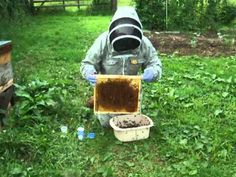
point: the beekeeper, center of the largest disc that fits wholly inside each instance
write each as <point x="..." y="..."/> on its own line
<point x="121" y="50"/>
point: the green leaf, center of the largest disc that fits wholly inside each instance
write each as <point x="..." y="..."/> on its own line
<point x="107" y="157"/>
<point x="199" y="145"/>
<point x="183" y="141"/>
<point x="213" y="76"/>
<point x="230" y="79"/>
<point x="24" y="94"/>
<point x="196" y="127"/>
<point x="218" y="112"/>
<point x="188" y="105"/>
<point x="188" y="76"/>
<point x="101" y="170"/>
<point x="205" y="164"/>
<point x="50" y="102"/>
<point x="41" y="102"/>
<point x="135" y="148"/>
<point x="171" y="92"/>
<point x="209" y="148"/>
<point x="193" y="172"/>
<point x="186" y="131"/>
<point x="118" y="142"/>
<point x="24" y="107"/>
<point x="105" y="171"/>
<point x="16" y="171"/>
<point x="92" y="159"/>
<point x="223" y="153"/>
<point x="130" y="164"/>
<point x="225" y="94"/>
<point x="170" y="78"/>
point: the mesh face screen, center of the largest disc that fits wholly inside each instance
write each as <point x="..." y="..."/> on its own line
<point x="125" y="30"/>
<point x="125" y="44"/>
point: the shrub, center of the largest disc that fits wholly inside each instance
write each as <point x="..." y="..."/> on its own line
<point x="184" y="14"/>
<point x="14" y="8"/>
<point x="227" y="13"/>
<point x="100" y="7"/>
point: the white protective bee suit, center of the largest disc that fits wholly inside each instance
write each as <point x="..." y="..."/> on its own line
<point x="122" y="50"/>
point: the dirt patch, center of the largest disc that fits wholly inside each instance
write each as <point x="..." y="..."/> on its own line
<point x="194" y="44"/>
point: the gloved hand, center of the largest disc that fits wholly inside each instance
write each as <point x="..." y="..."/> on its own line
<point x="148" y="75"/>
<point x="91" y="78"/>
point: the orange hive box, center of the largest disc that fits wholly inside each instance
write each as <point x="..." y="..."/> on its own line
<point x="117" y="94"/>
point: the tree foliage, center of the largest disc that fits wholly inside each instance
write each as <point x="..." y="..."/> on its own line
<point x="185" y="14"/>
<point x="13" y="8"/>
<point x="100" y="7"/>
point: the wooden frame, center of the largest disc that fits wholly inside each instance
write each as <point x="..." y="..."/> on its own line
<point x="6" y="86"/>
<point x="117" y="94"/>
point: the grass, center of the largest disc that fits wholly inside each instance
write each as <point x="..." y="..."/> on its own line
<point x="232" y="2"/>
<point x="125" y="2"/>
<point x="193" y="108"/>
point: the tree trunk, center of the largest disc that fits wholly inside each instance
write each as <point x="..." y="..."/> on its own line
<point x="113" y="5"/>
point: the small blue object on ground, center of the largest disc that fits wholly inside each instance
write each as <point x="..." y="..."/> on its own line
<point x="80" y="133"/>
<point x="91" y="135"/>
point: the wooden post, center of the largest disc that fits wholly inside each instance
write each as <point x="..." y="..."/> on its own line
<point x="166" y="14"/>
<point x="32" y="6"/>
<point x="113" y="5"/>
<point x="63" y="2"/>
<point x="78" y="1"/>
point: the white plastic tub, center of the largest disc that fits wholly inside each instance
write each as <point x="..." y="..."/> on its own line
<point x="131" y="127"/>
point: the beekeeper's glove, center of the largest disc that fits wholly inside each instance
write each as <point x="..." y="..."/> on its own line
<point x="91" y="78"/>
<point x="148" y="75"/>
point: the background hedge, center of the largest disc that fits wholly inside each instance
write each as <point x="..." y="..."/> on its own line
<point x="185" y="14"/>
<point x="14" y="8"/>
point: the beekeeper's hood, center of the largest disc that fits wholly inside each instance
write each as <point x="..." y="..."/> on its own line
<point x="125" y="30"/>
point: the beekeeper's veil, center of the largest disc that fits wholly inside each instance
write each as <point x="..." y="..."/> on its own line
<point x="125" y="30"/>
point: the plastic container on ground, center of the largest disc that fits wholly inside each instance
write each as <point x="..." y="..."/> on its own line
<point x="91" y="135"/>
<point x="64" y="129"/>
<point x="80" y="133"/>
<point x="131" y="127"/>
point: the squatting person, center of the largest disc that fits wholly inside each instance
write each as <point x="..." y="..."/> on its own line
<point x="121" y="50"/>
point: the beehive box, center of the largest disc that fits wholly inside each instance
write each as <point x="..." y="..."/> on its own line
<point x="117" y="94"/>
<point x="6" y="73"/>
<point x="6" y="80"/>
